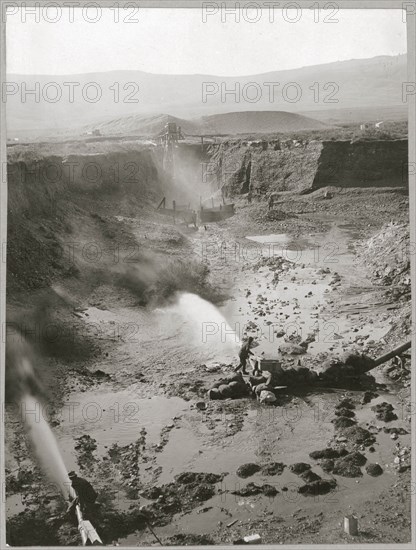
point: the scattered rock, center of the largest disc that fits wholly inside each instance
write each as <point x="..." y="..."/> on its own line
<point x="384" y="412"/>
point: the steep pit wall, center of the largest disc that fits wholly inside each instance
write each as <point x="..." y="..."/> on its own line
<point x="362" y="164"/>
<point x="292" y="165"/>
<point x="264" y="166"/>
<point x="56" y="199"/>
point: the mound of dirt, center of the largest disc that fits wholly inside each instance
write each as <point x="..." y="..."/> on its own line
<point x="387" y="255"/>
<point x="328" y="453"/>
<point x="252" y="489"/>
<point x="346" y="403"/>
<point x="327" y="465"/>
<point x="247" y="470"/>
<point x="384" y="412"/>
<point x="319" y="487"/>
<point x="356" y="434"/>
<point x="299" y="467"/>
<point x="310" y="476"/>
<point x="374" y="470"/>
<point x="186" y="492"/>
<point x="273" y="468"/>
<point x="193" y="477"/>
<point x="343" y="422"/>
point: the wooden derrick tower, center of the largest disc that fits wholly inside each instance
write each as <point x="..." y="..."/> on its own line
<point x="169" y="138"/>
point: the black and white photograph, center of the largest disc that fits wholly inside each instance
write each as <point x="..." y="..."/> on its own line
<point x="208" y="254"/>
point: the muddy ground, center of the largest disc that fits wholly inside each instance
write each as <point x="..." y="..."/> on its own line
<point x="134" y="417"/>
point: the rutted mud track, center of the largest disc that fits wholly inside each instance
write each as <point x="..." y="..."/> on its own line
<point x="135" y="409"/>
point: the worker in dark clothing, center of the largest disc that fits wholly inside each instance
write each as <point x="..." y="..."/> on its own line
<point x="86" y="495"/>
<point x="244" y="354"/>
<point x="271" y="202"/>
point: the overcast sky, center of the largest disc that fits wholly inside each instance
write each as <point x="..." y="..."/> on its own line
<point x="178" y="41"/>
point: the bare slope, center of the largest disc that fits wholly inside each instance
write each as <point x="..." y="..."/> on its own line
<point x="358" y="83"/>
<point x="229" y="123"/>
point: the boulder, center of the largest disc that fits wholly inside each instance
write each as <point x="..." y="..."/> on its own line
<point x="225" y="391"/>
<point x="327" y="453"/>
<point x="299" y="467"/>
<point x="319" y="487"/>
<point x="327" y="465"/>
<point x="374" y="470"/>
<point x="349" y="465"/>
<point x="384" y="412"/>
<point x="267" y="397"/>
<point x="358" y="361"/>
<point x="214" y="394"/>
<point x="247" y="470"/>
<point x="343" y="422"/>
<point x="309" y="476"/>
<point x="237" y="389"/>
<point x="334" y="369"/>
<point x="356" y="434"/>
<point x="346" y="469"/>
<point x="273" y="468"/>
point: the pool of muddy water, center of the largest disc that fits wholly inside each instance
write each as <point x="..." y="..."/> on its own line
<point x="282" y="434"/>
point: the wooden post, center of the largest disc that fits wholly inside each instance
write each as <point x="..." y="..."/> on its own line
<point x="351" y="525"/>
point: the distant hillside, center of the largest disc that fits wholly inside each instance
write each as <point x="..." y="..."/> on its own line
<point x="354" y="84"/>
<point x="248" y="122"/>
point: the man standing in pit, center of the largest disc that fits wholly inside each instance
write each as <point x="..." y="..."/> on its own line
<point x="244" y="354"/>
<point x="271" y="201"/>
<point x="86" y="495"/>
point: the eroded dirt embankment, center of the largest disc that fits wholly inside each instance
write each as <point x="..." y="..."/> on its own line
<point x="58" y="203"/>
<point x="295" y="165"/>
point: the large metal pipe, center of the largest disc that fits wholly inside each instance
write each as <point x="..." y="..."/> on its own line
<point x="396" y="351"/>
<point x="89" y="535"/>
